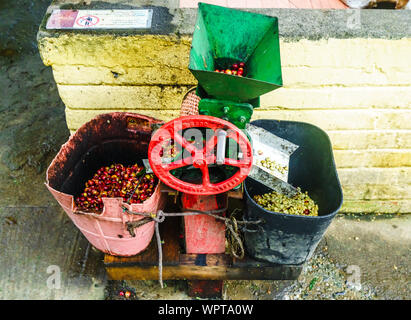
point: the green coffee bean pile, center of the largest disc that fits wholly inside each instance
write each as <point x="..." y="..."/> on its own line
<point x="301" y="204"/>
<point x="272" y="165"/>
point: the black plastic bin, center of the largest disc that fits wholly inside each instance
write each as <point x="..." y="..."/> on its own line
<point x="289" y="239"/>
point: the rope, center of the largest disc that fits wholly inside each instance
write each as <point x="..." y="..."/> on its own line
<point x="231" y="223"/>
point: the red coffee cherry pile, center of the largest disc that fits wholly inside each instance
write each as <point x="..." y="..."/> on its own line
<point x="116" y="181"/>
<point x="237" y="69"/>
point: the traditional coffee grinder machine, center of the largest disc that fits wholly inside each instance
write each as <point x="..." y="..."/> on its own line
<point x="206" y="155"/>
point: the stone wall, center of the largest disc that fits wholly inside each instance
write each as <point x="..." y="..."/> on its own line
<point x="355" y="83"/>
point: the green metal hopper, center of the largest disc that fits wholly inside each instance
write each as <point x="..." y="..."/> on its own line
<point x="223" y="36"/>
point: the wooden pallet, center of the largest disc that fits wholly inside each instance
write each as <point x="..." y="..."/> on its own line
<point x="205" y="272"/>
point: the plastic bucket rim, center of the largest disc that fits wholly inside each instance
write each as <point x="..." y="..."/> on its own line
<point x="73" y="136"/>
<point x="84" y="127"/>
<point x="102" y="215"/>
<point x="132" y="206"/>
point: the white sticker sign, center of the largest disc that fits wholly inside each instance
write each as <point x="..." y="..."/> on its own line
<point x="100" y="19"/>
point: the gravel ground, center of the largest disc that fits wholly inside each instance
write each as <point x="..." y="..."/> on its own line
<point x="323" y="279"/>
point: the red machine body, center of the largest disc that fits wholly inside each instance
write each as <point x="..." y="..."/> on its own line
<point x="203" y="233"/>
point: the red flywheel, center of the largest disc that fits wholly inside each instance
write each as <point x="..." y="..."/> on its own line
<point x="201" y="155"/>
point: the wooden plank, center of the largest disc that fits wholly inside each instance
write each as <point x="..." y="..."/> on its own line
<point x="205" y="259"/>
<point x="205" y="288"/>
<point x="178" y="266"/>
<point x="193" y="272"/>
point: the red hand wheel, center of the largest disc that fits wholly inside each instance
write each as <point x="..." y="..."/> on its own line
<point x="199" y="155"/>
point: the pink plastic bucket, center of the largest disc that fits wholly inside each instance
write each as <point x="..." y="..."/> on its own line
<point x="109" y="138"/>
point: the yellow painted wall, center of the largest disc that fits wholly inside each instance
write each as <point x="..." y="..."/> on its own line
<point x="358" y="90"/>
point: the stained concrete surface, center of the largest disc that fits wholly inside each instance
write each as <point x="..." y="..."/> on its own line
<point x="43" y="256"/>
<point x="381" y="248"/>
<point x="293" y="24"/>
<point x="36" y="234"/>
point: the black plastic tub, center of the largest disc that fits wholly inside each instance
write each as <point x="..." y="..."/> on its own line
<point x="290" y="239"/>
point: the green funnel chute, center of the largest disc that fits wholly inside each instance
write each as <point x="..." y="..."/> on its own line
<point x="223" y="36"/>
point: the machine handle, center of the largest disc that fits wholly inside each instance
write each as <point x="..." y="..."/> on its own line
<point x="200" y="156"/>
<point x="221" y="146"/>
